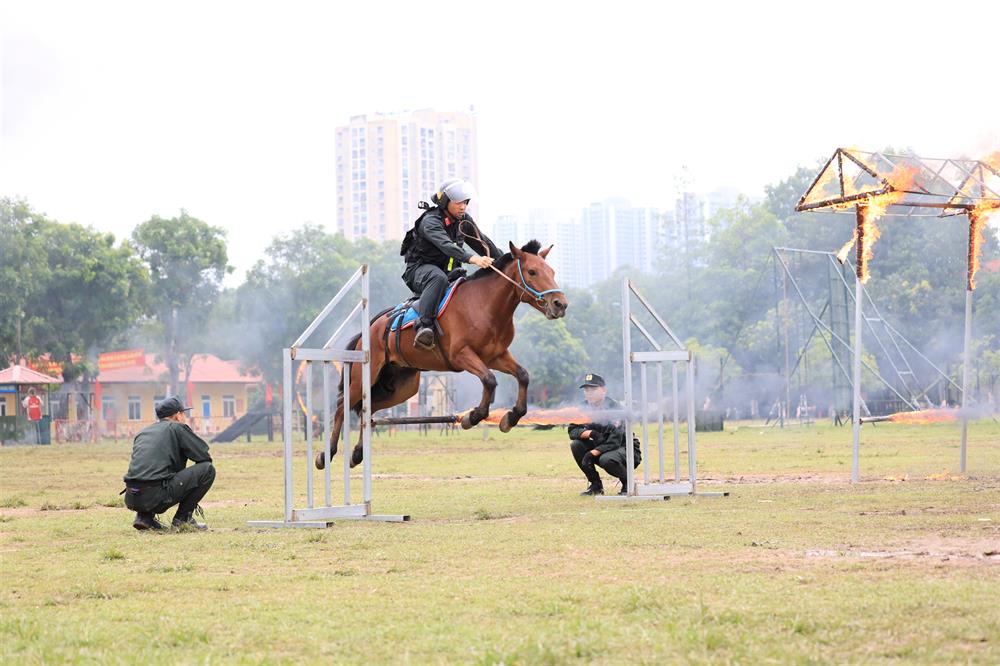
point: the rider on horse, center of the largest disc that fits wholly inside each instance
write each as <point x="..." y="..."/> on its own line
<point x="436" y="246"/>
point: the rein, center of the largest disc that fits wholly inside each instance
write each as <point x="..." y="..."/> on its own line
<point x="524" y="286"/>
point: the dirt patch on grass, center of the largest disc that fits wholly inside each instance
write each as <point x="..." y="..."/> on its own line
<point x="803" y="477"/>
<point x="957" y="550"/>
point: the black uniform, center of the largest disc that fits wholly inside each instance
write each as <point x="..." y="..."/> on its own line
<point x="438" y="246"/>
<point x="157" y="476"/>
<point x="608" y="437"/>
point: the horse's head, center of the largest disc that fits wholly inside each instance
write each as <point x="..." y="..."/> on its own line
<point x="537" y="279"/>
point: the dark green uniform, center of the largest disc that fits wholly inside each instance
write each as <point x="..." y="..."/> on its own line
<point x="608" y="437"/>
<point x="158" y="477"/>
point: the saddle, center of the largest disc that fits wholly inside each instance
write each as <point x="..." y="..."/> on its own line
<point x="405" y="315"/>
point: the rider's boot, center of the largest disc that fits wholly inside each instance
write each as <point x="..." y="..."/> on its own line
<point x="425" y="336"/>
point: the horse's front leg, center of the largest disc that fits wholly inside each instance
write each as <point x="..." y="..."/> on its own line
<point x="506" y="364"/>
<point x="469" y="361"/>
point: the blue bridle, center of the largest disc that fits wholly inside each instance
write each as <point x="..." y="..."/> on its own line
<point x="537" y="294"/>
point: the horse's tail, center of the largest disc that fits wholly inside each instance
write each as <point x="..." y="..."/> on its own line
<point x="378" y="390"/>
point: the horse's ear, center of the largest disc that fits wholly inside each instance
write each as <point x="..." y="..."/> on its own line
<point x="544" y="253"/>
<point x="515" y="251"/>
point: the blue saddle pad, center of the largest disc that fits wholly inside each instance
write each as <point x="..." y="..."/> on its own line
<point x="401" y="319"/>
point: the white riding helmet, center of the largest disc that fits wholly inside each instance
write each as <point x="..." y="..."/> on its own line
<point x="457" y="189"/>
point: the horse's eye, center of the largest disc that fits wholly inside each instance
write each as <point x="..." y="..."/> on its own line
<point x="532" y="273"/>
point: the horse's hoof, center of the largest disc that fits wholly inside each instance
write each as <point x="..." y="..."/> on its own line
<point x="320" y="460"/>
<point x="467" y="422"/>
<point x="357" y="456"/>
<point x="506" y="422"/>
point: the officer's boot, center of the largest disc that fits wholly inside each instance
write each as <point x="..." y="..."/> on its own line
<point x="185" y="519"/>
<point x="594" y="489"/>
<point x="146" y="521"/>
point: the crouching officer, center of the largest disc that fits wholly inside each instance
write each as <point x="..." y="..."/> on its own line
<point x="601" y="443"/>
<point x="157" y="477"/>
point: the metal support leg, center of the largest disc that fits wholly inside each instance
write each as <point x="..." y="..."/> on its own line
<point x="692" y="458"/>
<point x="677" y="425"/>
<point x="659" y="416"/>
<point x="645" y="424"/>
<point x="309" y="435"/>
<point x="286" y="427"/>
<point x="346" y="432"/>
<point x="966" y="373"/>
<point x="855" y="472"/>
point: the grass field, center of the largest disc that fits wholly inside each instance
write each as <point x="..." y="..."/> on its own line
<point x="504" y="562"/>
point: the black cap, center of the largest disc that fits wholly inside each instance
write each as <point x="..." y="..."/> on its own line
<point x="170" y="406"/>
<point x="592" y="380"/>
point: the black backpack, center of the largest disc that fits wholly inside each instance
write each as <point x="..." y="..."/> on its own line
<point x="411" y="236"/>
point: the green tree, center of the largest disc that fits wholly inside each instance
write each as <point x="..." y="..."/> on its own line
<point x="23" y="273"/>
<point x="187" y="261"/>
<point x="554" y="358"/>
<point x="76" y="287"/>
<point x="302" y="271"/>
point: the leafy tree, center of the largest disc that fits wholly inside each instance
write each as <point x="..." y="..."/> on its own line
<point x="301" y="273"/>
<point x="23" y="272"/>
<point x="75" y="286"/>
<point x="553" y="356"/>
<point x="187" y="261"/>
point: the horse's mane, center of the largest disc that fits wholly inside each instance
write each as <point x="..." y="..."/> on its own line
<point x="531" y="247"/>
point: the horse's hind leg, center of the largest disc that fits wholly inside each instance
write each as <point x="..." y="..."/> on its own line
<point x="338" y="423"/>
<point x="407" y="383"/>
<point x="507" y="364"/>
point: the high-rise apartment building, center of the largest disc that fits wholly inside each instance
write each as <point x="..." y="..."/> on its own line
<point x="549" y="228"/>
<point x="615" y="234"/>
<point x="386" y="163"/>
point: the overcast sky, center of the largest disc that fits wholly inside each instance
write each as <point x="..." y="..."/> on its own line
<point x="113" y="112"/>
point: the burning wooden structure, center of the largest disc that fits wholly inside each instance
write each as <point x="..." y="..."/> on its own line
<point x="869" y="184"/>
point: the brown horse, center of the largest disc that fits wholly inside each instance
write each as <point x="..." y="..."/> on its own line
<point x="477" y="328"/>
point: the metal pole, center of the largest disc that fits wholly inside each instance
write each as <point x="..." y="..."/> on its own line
<point x="326" y="434"/>
<point x="659" y="414"/>
<point x="785" y="314"/>
<point x="347" y="433"/>
<point x="860" y="261"/>
<point x="692" y="460"/>
<point x="366" y="393"/>
<point x="677" y="424"/>
<point x="627" y="371"/>
<point x="857" y="380"/>
<point x="645" y="424"/>
<point x="966" y="372"/>
<point x="309" y="435"/>
<point x="286" y="426"/>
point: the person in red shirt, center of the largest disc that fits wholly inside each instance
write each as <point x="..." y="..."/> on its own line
<point x="33" y="406"/>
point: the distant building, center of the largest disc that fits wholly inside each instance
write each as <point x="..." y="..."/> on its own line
<point x="217" y="390"/>
<point x="719" y="199"/>
<point x="615" y="234"/>
<point x="386" y="163"/>
<point x="549" y="228"/>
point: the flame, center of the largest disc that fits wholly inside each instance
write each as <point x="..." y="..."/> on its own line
<point x="866" y="233"/>
<point x="925" y="416"/>
<point x="562" y="416"/>
<point x="844" y="251"/>
<point x="827" y="185"/>
<point x="871" y="209"/>
<point x="977" y="220"/>
<point x="993" y="160"/>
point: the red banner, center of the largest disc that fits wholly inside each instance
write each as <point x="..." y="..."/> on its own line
<point x="129" y="358"/>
